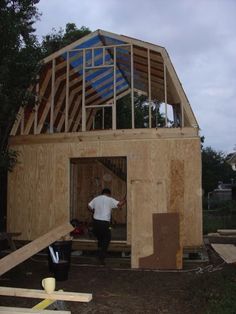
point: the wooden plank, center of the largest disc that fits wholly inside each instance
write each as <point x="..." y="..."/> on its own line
<point x="91" y="245"/>
<point x="217" y="238"/>
<point x="226" y="251"/>
<point x="165" y="95"/>
<point x="149" y="90"/>
<point x="17" y="121"/>
<point x="72" y="117"/>
<point x="52" y="96"/>
<point x="227" y="231"/>
<point x="41" y="294"/>
<point x="67" y="90"/>
<point x="114" y="92"/>
<point x="22" y="254"/>
<point x="16" y="310"/>
<point x="127" y="134"/>
<point x="132" y="86"/>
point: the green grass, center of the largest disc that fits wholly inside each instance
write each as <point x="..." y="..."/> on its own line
<point x="213" y="222"/>
<point x="222" y="215"/>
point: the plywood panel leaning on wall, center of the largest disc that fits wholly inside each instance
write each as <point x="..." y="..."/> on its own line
<point x="166" y="244"/>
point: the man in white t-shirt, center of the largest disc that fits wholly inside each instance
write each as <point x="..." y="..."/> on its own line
<point x="101" y="207"/>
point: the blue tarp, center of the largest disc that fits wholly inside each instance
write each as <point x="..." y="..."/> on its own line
<point x="102" y="78"/>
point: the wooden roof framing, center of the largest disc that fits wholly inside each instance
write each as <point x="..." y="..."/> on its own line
<point x="94" y="72"/>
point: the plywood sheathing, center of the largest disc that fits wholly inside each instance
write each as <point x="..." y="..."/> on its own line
<point x="149" y="154"/>
<point x="166" y="244"/>
<point x="177" y="188"/>
<point x="144" y="200"/>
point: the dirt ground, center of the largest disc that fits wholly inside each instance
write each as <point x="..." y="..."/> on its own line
<point x="118" y="289"/>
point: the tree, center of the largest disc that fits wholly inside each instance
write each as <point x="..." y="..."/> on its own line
<point x="124" y="114"/>
<point x="59" y="39"/>
<point x="19" y="63"/>
<point x="215" y="169"/>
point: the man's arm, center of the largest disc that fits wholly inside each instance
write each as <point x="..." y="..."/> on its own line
<point x="91" y="210"/>
<point x="121" y="202"/>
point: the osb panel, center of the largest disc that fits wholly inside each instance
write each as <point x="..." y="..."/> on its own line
<point x="39" y="185"/>
<point x="61" y="205"/>
<point x="21" y="195"/>
<point x="145" y="196"/>
<point x="177" y="200"/>
<point x="187" y="150"/>
<point x="31" y="208"/>
<point x="176" y="186"/>
<point x="193" y="196"/>
<point x="166" y="243"/>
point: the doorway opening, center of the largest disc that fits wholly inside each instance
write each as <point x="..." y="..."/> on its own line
<point x="88" y="176"/>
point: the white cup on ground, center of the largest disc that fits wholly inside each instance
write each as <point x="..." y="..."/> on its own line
<point x="49" y="284"/>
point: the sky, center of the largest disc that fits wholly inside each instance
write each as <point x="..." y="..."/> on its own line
<point x="199" y="36"/>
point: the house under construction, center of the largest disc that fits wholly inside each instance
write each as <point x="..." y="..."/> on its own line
<point x="111" y="112"/>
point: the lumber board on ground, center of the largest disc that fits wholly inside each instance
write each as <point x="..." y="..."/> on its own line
<point x="226" y="251"/>
<point x="16" y="310"/>
<point x="227" y="231"/>
<point x="22" y="254"/>
<point x="91" y="245"/>
<point x="217" y="238"/>
<point x="41" y="294"/>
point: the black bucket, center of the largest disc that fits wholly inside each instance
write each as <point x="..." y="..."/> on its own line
<point x="60" y="269"/>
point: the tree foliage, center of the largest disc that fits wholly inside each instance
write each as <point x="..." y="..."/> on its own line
<point x="59" y="39"/>
<point x="124" y="114"/>
<point x="19" y="63"/>
<point x="215" y="169"/>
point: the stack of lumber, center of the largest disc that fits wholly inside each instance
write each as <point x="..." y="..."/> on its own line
<point x="224" y="236"/>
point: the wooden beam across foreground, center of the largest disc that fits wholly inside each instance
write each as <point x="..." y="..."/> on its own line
<point x="25" y="252"/>
<point x="16" y="310"/>
<point x="41" y="294"/>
